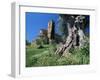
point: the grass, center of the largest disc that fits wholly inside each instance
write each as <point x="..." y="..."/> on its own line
<point x="45" y="56"/>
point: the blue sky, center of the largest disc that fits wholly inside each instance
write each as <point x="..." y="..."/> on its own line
<point x="37" y="21"/>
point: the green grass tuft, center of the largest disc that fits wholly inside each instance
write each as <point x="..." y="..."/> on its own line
<point x="46" y="57"/>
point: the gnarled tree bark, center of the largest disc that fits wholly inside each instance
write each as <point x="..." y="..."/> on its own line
<point x="75" y="37"/>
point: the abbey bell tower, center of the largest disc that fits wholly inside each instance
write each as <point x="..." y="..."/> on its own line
<point x="51" y="30"/>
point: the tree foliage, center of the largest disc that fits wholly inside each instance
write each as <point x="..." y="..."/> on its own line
<point x="27" y="42"/>
<point x="65" y="21"/>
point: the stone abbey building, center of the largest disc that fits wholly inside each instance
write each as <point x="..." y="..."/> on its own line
<point x="48" y="33"/>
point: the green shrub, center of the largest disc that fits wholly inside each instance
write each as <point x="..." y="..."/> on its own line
<point x="46" y="56"/>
